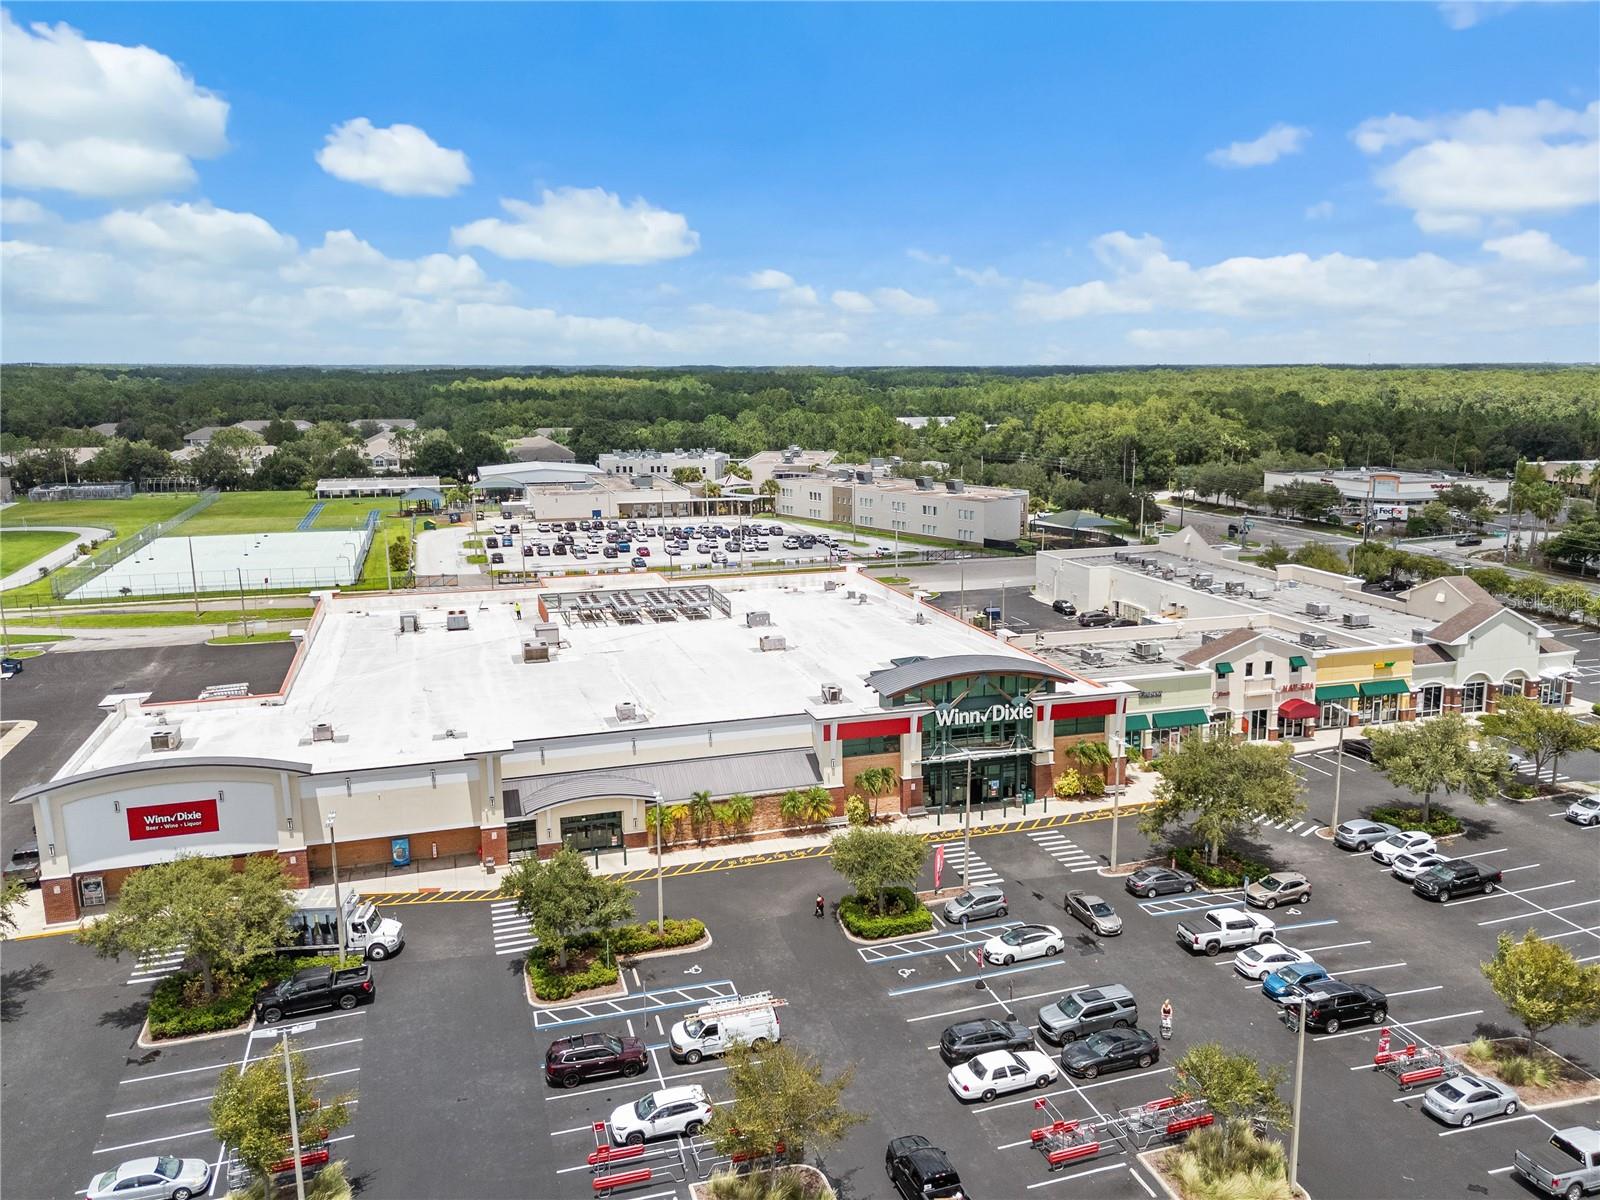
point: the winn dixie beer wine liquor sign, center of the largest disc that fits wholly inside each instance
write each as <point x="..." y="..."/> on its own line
<point x="173" y="820"/>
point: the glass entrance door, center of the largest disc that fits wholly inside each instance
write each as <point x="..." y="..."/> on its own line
<point x="992" y="780"/>
<point x="592" y="831"/>
<point x="522" y="839"/>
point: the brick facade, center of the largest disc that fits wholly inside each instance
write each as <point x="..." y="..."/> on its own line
<point x="364" y="852"/>
<point x="296" y="866"/>
<point x="60" y="900"/>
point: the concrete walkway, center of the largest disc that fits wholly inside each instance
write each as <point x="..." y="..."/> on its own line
<point x="58" y="557"/>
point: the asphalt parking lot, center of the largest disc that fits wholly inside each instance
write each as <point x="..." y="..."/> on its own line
<point x="62" y="693"/>
<point x="452" y="1043"/>
<point x="1586" y="673"/>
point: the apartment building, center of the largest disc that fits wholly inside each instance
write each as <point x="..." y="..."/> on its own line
<point x="712" y="464"/>
<point x="949" y="509"/>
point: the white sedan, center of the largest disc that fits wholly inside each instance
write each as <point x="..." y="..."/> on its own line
<point x="1001" y="1071"/>
<point x="1024" y="941"/>
<point x="1412" y="841"/>
<point x="1412" y="863"/>
<point x="1260" y="960"/>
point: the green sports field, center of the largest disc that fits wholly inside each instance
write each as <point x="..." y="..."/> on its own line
<point x="20" y="547"/>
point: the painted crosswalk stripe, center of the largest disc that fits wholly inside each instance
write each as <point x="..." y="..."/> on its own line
<point x="977" y="870"/>
<point x="509" y="929"/>
<point x="151" y="966"/>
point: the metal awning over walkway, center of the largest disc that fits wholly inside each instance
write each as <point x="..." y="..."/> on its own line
<point x="727" y="775"/>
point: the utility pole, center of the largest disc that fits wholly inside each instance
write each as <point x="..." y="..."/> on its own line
<point x="966" y="827"/>
<point x="294" y="1122"/>
<point x="194" y="582"/>
<point x="333" y="846"/>
<point x="1299" y="1073"/>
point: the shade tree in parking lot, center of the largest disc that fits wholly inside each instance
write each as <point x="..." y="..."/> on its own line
<point x="1215" y="786"/>
<point x="218" y="917"/>
<point x="1542" y="984"/>
<point x="782" y="1105"/>
<point x="1244" y="1098"/>
<point x="1438" y="755"/>
<point x="875" y="860"/>
<point x="1544" y="734"/>
<point x="250" y="1110"/>
<point x="560" y="898"/>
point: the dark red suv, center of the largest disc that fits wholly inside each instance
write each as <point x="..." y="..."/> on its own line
<point x="570" y="1061"/>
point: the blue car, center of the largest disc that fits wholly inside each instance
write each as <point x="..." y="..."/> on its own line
<point x="1291" y="980"/>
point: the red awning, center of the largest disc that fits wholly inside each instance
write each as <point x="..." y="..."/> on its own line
<point x="1297" y="710"/>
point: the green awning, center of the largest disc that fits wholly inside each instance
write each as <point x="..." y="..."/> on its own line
<point x="1224" y="668"/>
<point x="1337" y="691"/>
<point x="1136" y="723"/>
<point x="1386" y="687"/>
<point x="1178" y="720"/>
<point x="1296" y="663"/>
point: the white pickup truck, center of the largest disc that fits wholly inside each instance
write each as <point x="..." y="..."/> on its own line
<point x="1225" y="929"/>
<point x="1567" y="1165"/>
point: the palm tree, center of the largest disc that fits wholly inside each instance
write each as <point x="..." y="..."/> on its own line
<point x="792" y="806"/>
<point x="738" y="809"/>
<point x="817" y="805"/>
<point x="701" y="810"/>
<point x="875" y="781"/>
<point x="1092" y="754"/>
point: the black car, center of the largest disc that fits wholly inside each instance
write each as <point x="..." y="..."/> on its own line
<point x="1123" y="623"/>
<point x="1358" y="748"/>
<point x="10" y="667"/>
<point x="920" y="1170"/>
<point x="1159" y="881"/>
<point x="968" y="1039"/>
<point x="1066" y="608"/>
<point x="1094" y="620"/>
<point x="1110" y="1050"/>
<point x="1332" y="1003"/>
<point x="571" y="1060"/>
<point x="1469" y="540"/>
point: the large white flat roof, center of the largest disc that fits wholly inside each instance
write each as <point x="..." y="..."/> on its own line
<point x="390" y="697"/>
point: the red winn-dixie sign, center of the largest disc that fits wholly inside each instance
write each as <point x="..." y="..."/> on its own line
<point x="172" y="820"/>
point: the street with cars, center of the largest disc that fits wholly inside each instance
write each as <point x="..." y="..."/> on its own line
<point x="1023" y="1001"/>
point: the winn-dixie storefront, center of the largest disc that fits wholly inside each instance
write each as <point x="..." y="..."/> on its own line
<point x="988" y="727"/>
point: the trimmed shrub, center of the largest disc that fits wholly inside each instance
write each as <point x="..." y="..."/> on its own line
<point x="1230" y="871"/>
<point x="1407" y="817"/>
<point x="856" y="811"/>
<point x="1068" y="784"/>
<point x="174" y="1013"/>
<point x="549" y="983"/>
<point x="1518" y="1070"/>
<point x="905" y="914"/>
<point x="1093" y="786"/>
<point x="637" y="939"/>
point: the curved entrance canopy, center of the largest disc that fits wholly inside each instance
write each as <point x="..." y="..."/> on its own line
<point x="915" y="673"/>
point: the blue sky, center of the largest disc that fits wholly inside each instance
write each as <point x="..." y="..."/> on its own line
<point x="807" y="184"/>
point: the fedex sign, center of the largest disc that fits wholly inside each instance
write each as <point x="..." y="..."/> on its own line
<point x="173" y="820"/>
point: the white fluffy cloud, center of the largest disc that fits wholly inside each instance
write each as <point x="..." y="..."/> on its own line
<point x="1166" y="341"/>
<point x="1512" y="161"/>
<point x="1535" y="249"/>
<point x="100" y="119"/>
<point x="572" y="227"/>
<point x="925" y="256"/>
<point x="789" y="292"/>
<point x="1464" y="14"/>
<point x="1320" y="211"/>
<point x="19" y="210"/>
<point x="853" y="302"/>
<point x="1272" y="145"/>
<point x="399" y="159"/>
<point x="197" y="231"/>
<point x="898" y="300"/>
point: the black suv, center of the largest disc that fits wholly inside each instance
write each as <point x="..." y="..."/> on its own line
<point x="571" y="1060"/>
<point x="920" y="1170"/>
<point x="1333" y="1003"/>
<point x="1065" y="607"/>
<point x="1094" y="620"/>
<point x="968" y="1039"/>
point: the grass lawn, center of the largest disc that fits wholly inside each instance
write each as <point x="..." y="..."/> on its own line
<point x="250" y="512"/>
<point x="122" y="516"/>
<point x="18" y="548"/>
<point x="245" y="639"/>
<point x="159" y="620"/>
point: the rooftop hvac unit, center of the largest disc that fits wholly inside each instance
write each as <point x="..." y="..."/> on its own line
<point x="1169" y="572"/>
<point x="1260" y="593"/>
<point x="862" y="598"/>
<point x="643" y="481"/>
<point x="1291" y="583"/>
<point x="1120" y="555"/>
<point x="922" y="617"/>
<point x="322" y="732"/>
<point x="754" y="619"/>
<point x="830" y="585"/>
<point x="1147" y="651"/>
<point x="546" y="631"/>
<point x="832" y="693"/>
<point x="1202" y="580"/>
<point x="1234" y="587"/>
<point x="863" y="476"/>
<point x="955" y="485"/>
<point x="1150" y="568"/>
<point x="773" y="641"/>
<point x="408" y="622"/>
<point x="627" y="711"/>
<point x="167" y="738"/>
<point x="535" y="652"/>
<point x="1315" y="641"/>
<point x="456" y="618"/>
<point x="1421" y="635"/>
<point x="1092" y="658"/>
<point x="1356" y="620"/>
<point x="1210" y="635"/>
<point x="1316" y="608"/>
<point x="850" y="594"/>
<point x="925" y="482"/>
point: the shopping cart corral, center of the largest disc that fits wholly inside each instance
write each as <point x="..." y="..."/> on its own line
<point x="1411" y="1061"/>
<point x="1163" y="1122"/>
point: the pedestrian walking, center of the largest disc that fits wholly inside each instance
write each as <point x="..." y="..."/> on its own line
<point x="516" y="607"/>
<point x="1166" y="1019"/>
<point x="821" y="905"/>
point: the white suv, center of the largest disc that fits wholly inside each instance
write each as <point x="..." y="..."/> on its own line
<point x="1585" y="811"/>
<point x="663" y="1113"/>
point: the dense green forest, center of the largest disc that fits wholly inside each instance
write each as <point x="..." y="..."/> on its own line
<point x="1062" y="433"/>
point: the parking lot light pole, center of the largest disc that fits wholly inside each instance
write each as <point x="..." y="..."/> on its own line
<point x="338" y="908"/>
<point x="966" y="827"/>
<point x="1299" y="1072"/>
<point x="1338" y="763"/>
<point x="294" y="1121"/>
<point x="661" y="907"/>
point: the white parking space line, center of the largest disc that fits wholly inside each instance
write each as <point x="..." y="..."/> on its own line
<point x="1574" y="932"/>
<point x="133" y="1112"/>
<point x="152" y="1141"/>
<point x="1139" y="1179"/>
<point x="1336" y="946"/>
<point x="1514" y="870"/>
<point x="1116" y="1166"/>
<point x="1359" y="970"/>
<point x="1309" y="767"/>
<point x="1310" y="829"/>
<point x="1558" y="908"/>
<point x="966" y="1008"/>
<point x="1078" y="1087"/>
<point x="1438" y="987"/>
<point x="1344" y="1033"/>
<point x="1495" y="1124"/>
<point x="1519" y="893"/>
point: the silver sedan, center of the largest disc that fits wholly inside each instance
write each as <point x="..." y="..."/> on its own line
<point x="1094" y="912"/>
<point x="1468" y="1098"/>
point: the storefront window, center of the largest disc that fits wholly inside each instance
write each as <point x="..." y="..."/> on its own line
<point x="1258" y="724"/>
<point x="1511" y="687"/>
<point x="1430" y="700"/>
<point x="1473" y="696"/>
<point x="860" y="747"/>
<point x="1552" y="692"/>
<point x="592" y="831"/>
<point x="1079" y="725"/>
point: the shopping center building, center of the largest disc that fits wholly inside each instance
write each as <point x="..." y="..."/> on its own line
<point x="1267" y="654"/>
<point x="433" y="726"/>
